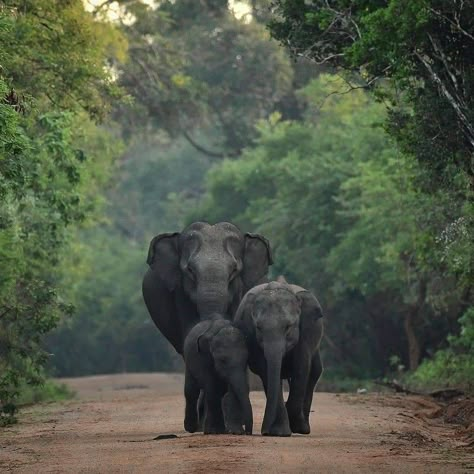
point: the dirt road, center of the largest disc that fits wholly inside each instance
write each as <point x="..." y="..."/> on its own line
<point x="111" y="425"/>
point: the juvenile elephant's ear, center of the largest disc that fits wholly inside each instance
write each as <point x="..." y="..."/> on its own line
<point x="203" y="343"/>
<point x="257" y="259"/>
<point x="205" y="338"/>
<point x="163" y="257"/>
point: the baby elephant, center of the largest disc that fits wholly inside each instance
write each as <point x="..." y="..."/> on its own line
<point x="216" y="357"/>
<point x="283" y="325"/>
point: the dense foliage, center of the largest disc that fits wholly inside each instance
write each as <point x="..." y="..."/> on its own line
<point x="49" y="175"/>
<point x="423" y="47"/>
<point x="201" y="68"/>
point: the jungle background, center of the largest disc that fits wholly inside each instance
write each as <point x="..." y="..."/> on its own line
<point x="343" y="131"/>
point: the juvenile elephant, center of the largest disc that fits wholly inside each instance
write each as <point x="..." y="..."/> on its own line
<point x="283" y="326"/>
<point x="203" y="270"/>
<point x="216" y="357"/>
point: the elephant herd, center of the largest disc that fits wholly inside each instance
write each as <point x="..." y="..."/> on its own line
<point x="207" y="292"/>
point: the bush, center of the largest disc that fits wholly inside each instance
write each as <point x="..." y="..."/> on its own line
<point x="47" y="391"/>
<point x="453" y="366"/>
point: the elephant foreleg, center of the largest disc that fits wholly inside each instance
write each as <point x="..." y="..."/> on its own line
<point x="315" y="374"/>
<point x="214" y="418"/>
<point x="300" y="374"/>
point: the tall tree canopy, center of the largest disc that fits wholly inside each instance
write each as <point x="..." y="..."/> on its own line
<point x="424" y="47"/>
<point x="53" y="82"/>
<point x="198" y="67"/>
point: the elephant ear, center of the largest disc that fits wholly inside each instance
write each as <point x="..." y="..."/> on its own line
<point x="205" y="338"/>
<point x="257" y="259"/>
<point x="163" y="257"/>
<point x="310" y="307"/>
<point x="204" y="343"/>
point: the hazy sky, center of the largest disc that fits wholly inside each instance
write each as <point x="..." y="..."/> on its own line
<point x="240" y="8"/>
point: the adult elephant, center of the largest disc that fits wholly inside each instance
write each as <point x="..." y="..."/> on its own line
<point x="202" y="271"/>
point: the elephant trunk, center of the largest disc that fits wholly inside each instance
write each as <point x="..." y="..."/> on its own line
<point x="273" y="356"/>
<point x="240" y="387"/>
<point x="211" y="302"/>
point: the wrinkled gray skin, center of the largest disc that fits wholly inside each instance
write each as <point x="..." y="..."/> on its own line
<point x="283" y="326"/>
<point x="203" y="270"/>
<point x="216" y="356"/>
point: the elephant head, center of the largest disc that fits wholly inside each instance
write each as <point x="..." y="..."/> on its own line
<point x="275" y="314"/>
<point x="228" y="350"/>
<point x="214" y="264"/>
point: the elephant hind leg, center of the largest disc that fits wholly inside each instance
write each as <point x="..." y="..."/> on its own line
<point x="315" y="374"/>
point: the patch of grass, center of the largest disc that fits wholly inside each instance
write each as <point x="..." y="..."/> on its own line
<point x="49" y="391"/>
<point x="445" y="370"/>
<point x="345" y="385"/>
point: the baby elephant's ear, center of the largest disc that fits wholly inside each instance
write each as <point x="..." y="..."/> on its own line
<point x="205" y="338"/>
<point x="204" y="342"/>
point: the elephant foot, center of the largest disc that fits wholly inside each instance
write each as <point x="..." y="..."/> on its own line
<point x="214" y="430"/>
<point x="190" y="425"/>
<point x="277" y="431"/>
<point x="280" y="433"/>
<point x="235" y="429"/>
<point x="200" y="425"/>
<point x="214" y="427"/>
<point x="299" y="424"/>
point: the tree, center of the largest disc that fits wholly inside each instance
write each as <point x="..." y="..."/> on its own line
<point x="423" y="48"/>
<point x="204" y="71"/>
<point x="43" y="161"/>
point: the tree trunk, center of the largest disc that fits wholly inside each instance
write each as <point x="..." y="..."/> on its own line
<point x="414" y="351"/>
<point x="410" y="323"/>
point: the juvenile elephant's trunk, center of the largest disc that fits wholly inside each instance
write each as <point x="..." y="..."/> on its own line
<point x="273" y="356"/>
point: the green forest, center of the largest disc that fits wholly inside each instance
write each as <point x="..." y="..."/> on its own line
<point x="341" y="130"/>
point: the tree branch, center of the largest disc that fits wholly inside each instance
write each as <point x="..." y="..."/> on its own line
<point x="469" y="130"/>
<point x="212" y="154"/>
<point x="5" y="312"/>
<point x="456" y="25"/>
